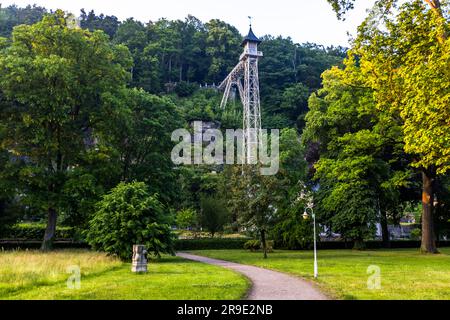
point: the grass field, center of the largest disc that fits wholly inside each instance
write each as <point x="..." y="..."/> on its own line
<point x="36" y="275"/>
<point x="343" y="274"/>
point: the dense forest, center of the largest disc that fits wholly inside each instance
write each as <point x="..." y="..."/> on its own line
<point x="87" y="114"/>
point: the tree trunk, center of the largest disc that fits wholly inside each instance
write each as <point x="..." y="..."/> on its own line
<point x="359" y="244"/>
<point x="435" y="6"/>
<point x="170" y="69"/>
<point x="385" y="231"/>
<point x="50" y="231"/>
<point x="384" y="226"/>
<point x="428" y="240"/>
<point x="263" y="242"/>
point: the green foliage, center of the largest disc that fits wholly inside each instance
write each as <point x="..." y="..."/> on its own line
<point x="341" y="6"/>
<point x="140" y="135"/>
<point x="54" y="80"/>
<point x="407" y="67"/>
<point x="292" y="231"/>
<point x="288" y="73"/>
<point x="187" y="218"/>
<point x="223" y="47"/>
<point x="416" y="234"/>
<point x="214" y="214"/>
<point x="403" y="56"/>
<point x="202" y="105"/>
<point x="108" y="24"/>
<point x="361" y="167"/>
<point x="12" y="16"/>
<point x="185" y="89"/>
<point x="293" y="166"/>
<point x="82" y="191"/>
<point x="129" y="215"/>
<point x="253" y="197"/>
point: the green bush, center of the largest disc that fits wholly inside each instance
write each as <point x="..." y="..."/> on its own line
<point x="187" y="218"/>
<point x="292" y="231"/>
<point x="210" y="244"/>
<point x="35" y="231"/>
<point x="255" y="245"/>
<point x="128" y="215"/>
<point x="416" y="234"/>
<point x="185" y="89"/>
<point x="214" y="214"/>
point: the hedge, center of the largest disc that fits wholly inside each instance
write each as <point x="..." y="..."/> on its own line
<point x="34" y="244"/>
<point x="35" y="231"/>
<point x="211" y="243"/>
<point x="371" y="244"/>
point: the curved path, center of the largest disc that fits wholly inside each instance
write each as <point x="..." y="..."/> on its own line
<point x="267" y="284"/>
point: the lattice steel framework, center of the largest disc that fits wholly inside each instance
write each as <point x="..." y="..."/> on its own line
<point x="244" y="76"/>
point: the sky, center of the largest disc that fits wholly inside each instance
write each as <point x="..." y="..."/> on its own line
<point x="302" y="20"/>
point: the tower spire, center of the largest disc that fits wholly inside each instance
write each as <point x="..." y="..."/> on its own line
<point x="245" y="77"/>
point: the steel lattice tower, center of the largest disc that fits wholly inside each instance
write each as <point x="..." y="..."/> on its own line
<point x="244" y="76"/>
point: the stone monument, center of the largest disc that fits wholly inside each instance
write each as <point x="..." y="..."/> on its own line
<point x="139" y="263"/>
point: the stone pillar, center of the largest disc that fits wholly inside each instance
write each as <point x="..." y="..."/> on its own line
<point x="139" y="263"/>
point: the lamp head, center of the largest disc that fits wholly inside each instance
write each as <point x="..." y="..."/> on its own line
<point x="305" y="215"/>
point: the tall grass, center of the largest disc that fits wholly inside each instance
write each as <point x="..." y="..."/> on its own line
<point x="24" y="269"/>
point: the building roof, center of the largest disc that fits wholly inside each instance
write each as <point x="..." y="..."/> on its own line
<point x="250" y="37"/>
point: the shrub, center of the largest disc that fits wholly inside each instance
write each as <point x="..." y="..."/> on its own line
<point x="185" y="89"/>
<point x="187" y="218"/>
<point x="35" y="231"/>
<point x="214" y="214"/>
<point x="129" y="215"/>
<point x="292" y="231"/>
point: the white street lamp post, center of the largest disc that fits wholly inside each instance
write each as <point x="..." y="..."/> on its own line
<point x="305" y="216"/>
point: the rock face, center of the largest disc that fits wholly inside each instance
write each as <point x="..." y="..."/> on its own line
<point x="139" y="263"/>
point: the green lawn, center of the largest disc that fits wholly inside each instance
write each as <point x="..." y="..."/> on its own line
<point x="36" y="275"/>
<point x="405" y="273"/>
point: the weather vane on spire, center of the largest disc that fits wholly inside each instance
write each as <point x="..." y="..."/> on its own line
<point x="250" y="21"/>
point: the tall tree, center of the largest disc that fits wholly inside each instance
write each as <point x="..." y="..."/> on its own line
<point x="223" y="47"/>
<point x="214" y="214"/>
<point x="406" y="63"/>
<point x="256" y="198"/>
<point x="108" y="24"/>
<point x="56" y="78"/>
<point x="12" y="16"/>
<point x="141" y="136"/>
<point x="145" y="71"/>
<point x="362" y="168"/>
